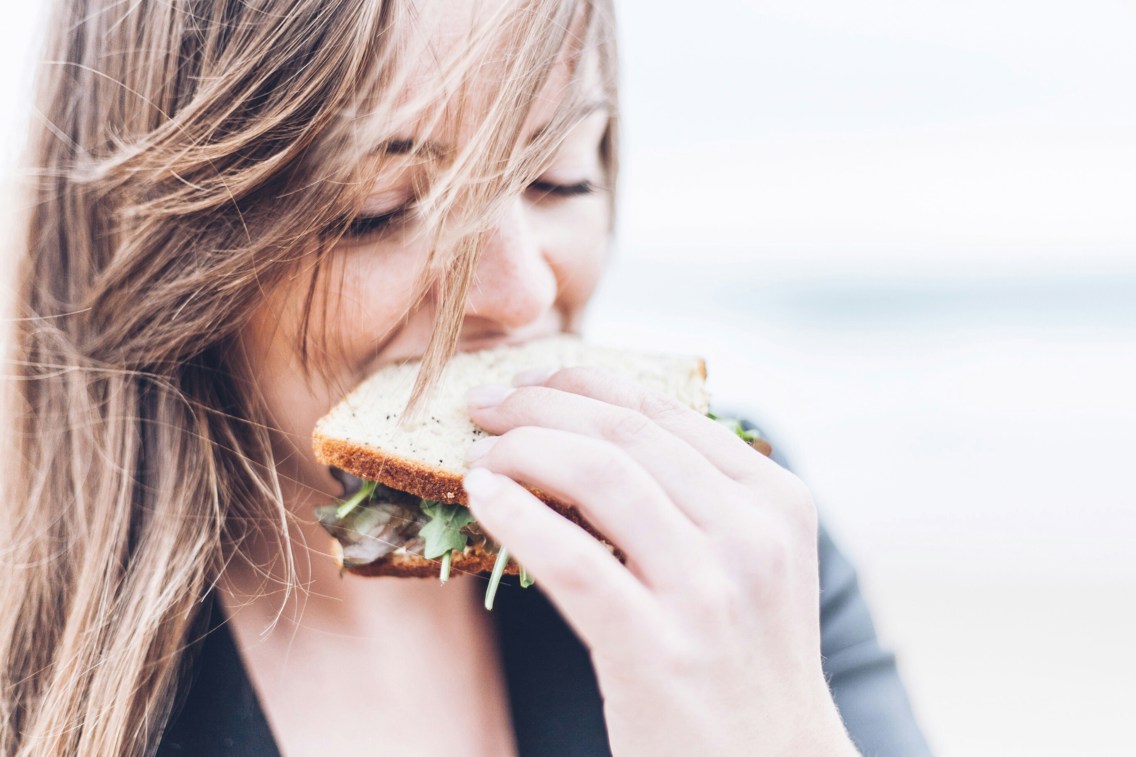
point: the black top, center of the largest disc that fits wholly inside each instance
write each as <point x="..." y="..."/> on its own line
<point x="556" y="706"/>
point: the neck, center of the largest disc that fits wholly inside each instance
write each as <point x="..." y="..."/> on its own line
<point x="300" y="585"/>
<point x="336" y="660"/>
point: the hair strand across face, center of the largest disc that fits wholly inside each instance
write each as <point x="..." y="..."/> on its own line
<point x="191" y="154"/>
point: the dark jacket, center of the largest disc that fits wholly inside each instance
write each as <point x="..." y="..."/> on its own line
<point x="556" y="706"/>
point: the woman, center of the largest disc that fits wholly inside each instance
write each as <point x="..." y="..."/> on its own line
<point x="242" y="209"/>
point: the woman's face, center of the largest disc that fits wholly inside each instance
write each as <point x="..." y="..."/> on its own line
<point x="539" y="267"/>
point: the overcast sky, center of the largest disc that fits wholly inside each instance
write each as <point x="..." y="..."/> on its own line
<point x="984" y="135"/>
<point x="981" y="136"/>
<point x="864" y="190"/>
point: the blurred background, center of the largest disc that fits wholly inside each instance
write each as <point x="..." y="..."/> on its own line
<point x="903" y="235"/>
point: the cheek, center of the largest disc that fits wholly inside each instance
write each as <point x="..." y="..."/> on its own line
<point x="362" y="296"/>
<point x="368" y="292"/>
<point x="578" y="249"/>
<point x="291" y="402"/>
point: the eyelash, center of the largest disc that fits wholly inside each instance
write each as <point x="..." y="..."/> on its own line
<point x="545" y="188"/>
<point x="365" y="226"/>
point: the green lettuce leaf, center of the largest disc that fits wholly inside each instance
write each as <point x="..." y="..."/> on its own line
<point x="495" y="577"/>
<point x="442" y="533"/>
<point x="746" y="435"/>
<point x="365" y="491"/>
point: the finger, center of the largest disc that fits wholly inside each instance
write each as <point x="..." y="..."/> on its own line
<point x="596" y="594"/>
<point x="716" y="443"/>
<point x="612" y="492"/>
<point x="693" y="483"/>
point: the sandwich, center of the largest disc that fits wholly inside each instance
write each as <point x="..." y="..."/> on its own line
<point x="405" y="511"/>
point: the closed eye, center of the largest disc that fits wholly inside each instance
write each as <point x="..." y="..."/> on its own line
<point x="364" y="226"/>
<point x="545" y="188"/>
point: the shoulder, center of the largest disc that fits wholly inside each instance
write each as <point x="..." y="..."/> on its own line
<point x="218" y="712"/>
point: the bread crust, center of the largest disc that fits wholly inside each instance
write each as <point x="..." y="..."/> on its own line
<point x="441" y="484"/>
<point x="473" y="560"/>
<point x="371" y="464"/>
<point x="366" y="462"/>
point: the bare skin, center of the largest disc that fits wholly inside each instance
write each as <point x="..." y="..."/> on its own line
<point x="373" y="669"/>
<point x="717" y="652"/>
<point x="348" y="659"/>
<point x="712" y="627"/>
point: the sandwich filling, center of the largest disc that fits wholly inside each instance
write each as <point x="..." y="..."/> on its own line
<point x="377" y="521"/>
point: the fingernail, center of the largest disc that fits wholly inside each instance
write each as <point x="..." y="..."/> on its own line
<point x="533" y="376"/>
<point x="488" y="395"/>
<point x="480" y="485"/>
<point x="480" y="448"/>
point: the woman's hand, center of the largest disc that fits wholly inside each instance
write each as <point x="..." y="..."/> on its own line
<point x="708" y="640"/>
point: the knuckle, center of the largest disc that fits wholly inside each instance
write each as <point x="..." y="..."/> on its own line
<point x="774" y="558"/>
<point x="628" y="427"/>
<point x="678" y="655"/>
<point x="799" y="502"/>
<point x="610" y="464"/>
<point x="711" y="597"/>
<point x="787" y="494"/>
<point x="717" y="601"/>
<point x="758" y="470"/>
<point x="795" y="489"/>
<point x="763" y="559"/>
<point x="659" y="406"/>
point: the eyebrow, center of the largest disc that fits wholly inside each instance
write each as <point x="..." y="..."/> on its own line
<point x="408" y="145"/>
<point x="586" y="111"/>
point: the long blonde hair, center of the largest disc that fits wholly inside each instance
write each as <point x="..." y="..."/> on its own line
<point x="188" y="154"/>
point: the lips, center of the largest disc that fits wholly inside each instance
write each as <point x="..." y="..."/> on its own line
<point x="499" y="340"/>
<point x="410" y="341"/>
<point x="350" y="483"/>
<point x="473" y="339"/>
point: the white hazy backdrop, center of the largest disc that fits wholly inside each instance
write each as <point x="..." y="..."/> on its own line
<point x="903" y="236"/>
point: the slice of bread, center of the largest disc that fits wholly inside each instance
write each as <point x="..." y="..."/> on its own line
<point x="364" y="434"/>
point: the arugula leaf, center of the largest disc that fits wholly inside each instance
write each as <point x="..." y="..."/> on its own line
<point x="344" y="509"/>
<point x="447" y="563"/>
<point x="747" y="435"/>
<point x="443" y="532"/>
<point x="495" y="578"/>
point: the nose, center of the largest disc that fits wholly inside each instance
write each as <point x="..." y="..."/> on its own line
<point x="514" y="285"/>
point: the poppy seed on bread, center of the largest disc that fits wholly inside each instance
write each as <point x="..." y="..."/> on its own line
<point x="366" y="435"/>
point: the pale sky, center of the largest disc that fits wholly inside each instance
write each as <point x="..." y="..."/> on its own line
<point x="842" y="206"/>
<point x="977" y="137"/>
